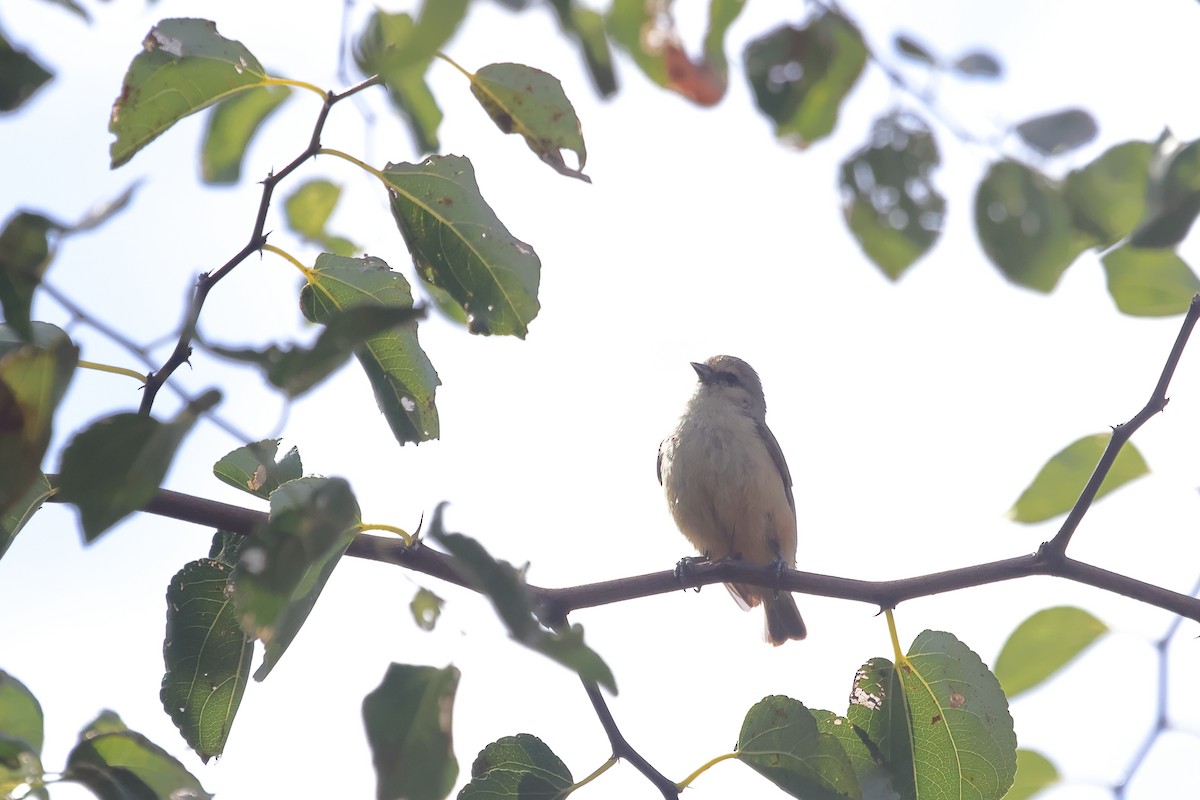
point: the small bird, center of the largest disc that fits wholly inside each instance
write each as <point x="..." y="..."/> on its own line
<point x="728" y="486"/>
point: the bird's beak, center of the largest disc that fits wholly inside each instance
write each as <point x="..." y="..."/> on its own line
<point x="703" y="371"/>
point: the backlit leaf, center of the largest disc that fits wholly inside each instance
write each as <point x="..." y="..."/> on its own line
<point x="307" y="210"/>
<point x="1149" y="283"/>
<point x="520" y="767"/>
<point x="940" y="720"/>
<point x="184" y="66"/>
<point x="20" y="76"/>
<point x="780" y="740"/>
<point x="1034" y="773"/>
<point x="254" y="469"/>
<point x="207" y="657"/>
<point x="283" y="566"/>
<point x="1058" y="484"/>
<point x="1059" y="132"/>
<point x="33" y="379"/>
<point x="26" y="248"/>
<point x="800" y="75"/>
<point x="1173" y="195"/>
<point x="587" y="28"/>
<point x="459" y="245"/>
<point x="231" y="126"/>
<point x="532" y="103"/>
<point x="126" y="765"/>
<point x="409" y="728"/>
<point x="115" y="466"/>
<point x="400" y="372"/>
<point x="22" y="509"/>
<point x="1108" y="196"/>
<point x="911" y="48"/>
<point x="426" y="607"/>
<point x="889" y="200"/>
<point x="1044" y="644"/>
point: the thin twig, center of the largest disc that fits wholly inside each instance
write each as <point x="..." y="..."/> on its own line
<point x="1057" y="547"/>
<point x="622" y="749"/>
<point x="258" y="237"/>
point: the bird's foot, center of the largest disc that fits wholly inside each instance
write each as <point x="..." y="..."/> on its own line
<point x="780" y="568"/>
<point x="684" y="567"/>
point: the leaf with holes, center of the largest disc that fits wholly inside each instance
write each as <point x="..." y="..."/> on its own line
<point x="254" y="469"/>
<point x="780" y="740"/>
<point x="184" y="66"/>
<point x="459" y="245"/>
<point x="1044" y="644"/>
<point x="524" y="100"/>
<point x="1060" y="481"/>
<point x="207" y="657"/>
<point x="400" y="372"/>
<point x="939" y="720"/>
<point x="890" y="202"/>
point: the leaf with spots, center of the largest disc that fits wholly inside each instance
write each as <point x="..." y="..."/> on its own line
<point x="253" y="468"/>
<point x="184" y="66"/>
<point x="939" y="720"/>
<point x="400" y="372"/>
<point x="207" y="657"/>
<point x="520" y="767"/>
<point x="283" y="566"/>
<point x="524" y="100"/>
<point x="780" y="740"/>
<point x="460" y="246"/>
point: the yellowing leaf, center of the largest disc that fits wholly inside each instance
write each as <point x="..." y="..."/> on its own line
<point x="1059" y="483"/>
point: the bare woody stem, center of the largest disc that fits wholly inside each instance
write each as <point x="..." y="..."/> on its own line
<point x="258" y="237"/>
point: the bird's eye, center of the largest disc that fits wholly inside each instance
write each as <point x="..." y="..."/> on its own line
<point x="729" y="379"/>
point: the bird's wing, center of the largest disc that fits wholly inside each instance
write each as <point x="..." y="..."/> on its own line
<point x="768" y="439"/>
<point x="658" y="466"/>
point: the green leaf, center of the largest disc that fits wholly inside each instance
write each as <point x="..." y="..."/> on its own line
<point x="978" y="65"/>
<point x="207" y="657"/>
<point x="1149" y="283"/>
<point x="399" y="51"/>
<point x="283" y="567"/>
<point x="642" y="33"/>
<point x="586" y="27"/>
<point x="128" y="766"/>
<point x="33" y="379"/>
<point x="401" y="374"/>
<point x="909" y="47"/>
<point x="408" y="722"/>
<point x="1059" y="483"/>
<point x="307" y="210"/>
<point x="874" y="777"/>
<point x="524" y="100"/>
<point x="22" y="509"/>
<point x="941" y="720"/>
<point x="20" y="713"/>
<point x="459" y="245"/>
<point x="231" y="126"/>
<point x="253" y="468"/>
<point x="1173" y="195"/>
<point x="801" y="75"/>
<point x="1044" y="644"/>
<point x="20" y="76"/>
<point x="780" y="741"/>
<point x="1034" y="773"/>
<point x="1024" y="225"/>
<point x="890" y="202"/>
<point x="426" y="607"/>
<point x="21" y="735"/>
<point x="1107" y="197"/>
<point x="296" y="369"/>
<point x="521" y="767"/>
<point x="105" y="722"/>
<point x="184" y="66"/>
<point x="505" y="586"/>
<point x="226" y="547"/>
<point x="1059" y="132"/>
<point x="115" y="466"/>
<point x="25" y="252"/>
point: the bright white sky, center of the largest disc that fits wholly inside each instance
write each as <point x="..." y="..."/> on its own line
<point x="912" y="415"/>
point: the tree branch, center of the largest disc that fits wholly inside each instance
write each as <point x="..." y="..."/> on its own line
<point x="622" y="749"/>
<point x="258" y="237"/>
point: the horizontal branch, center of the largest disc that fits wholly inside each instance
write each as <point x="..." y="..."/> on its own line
<point x="558" y="603"/>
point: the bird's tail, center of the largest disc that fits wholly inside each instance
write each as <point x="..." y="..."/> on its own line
<point x="783" y="618"/>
